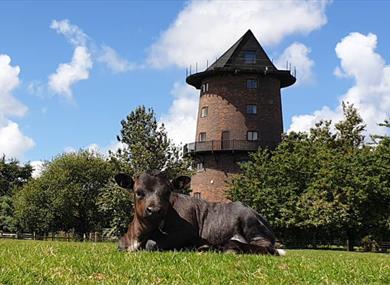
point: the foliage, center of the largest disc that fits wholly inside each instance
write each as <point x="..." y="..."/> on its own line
<point x="369" y="244"/>
<point x="7" y="220"/>
<point x="146" y="146"/>
<point x="322" y="184"/>
<point x="64" y="197"/>
<point x="33" y="208"/>
<point x="115" y="205"/>
<point x="13" y="175"/>
<point x="45" y="262"/>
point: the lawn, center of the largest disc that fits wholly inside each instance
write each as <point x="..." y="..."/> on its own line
<point x="44" y="262"/>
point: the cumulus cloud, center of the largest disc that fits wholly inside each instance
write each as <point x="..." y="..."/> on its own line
<point x="180" y="121"/>
<point x="113" y="147"/>
<point x="85" y="53"/>
<point x="9" y="80"/>
<point x="203" y="29"/>
<point x="71" y="32"/>
<point x="68" y="74"/>
<point x="13" y="143"/>
<point x="297" y="54"/>
<point x="113" y="61"/>
<point x="96" y="148"/>
<point x="371" y="90"/>
<point x="38" y="167"/>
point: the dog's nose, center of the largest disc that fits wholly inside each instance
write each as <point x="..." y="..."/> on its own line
<point x="153" y="210"/>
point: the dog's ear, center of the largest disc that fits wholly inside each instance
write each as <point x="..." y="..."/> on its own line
<point x="181" y="182"/>
<point x="124" y="180"/>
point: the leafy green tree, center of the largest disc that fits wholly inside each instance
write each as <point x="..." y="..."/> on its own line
<point x="147" y="146"/>
<point x="7" y="220"/>
<point x="115" y="205"/>
<point x="33" y="208"/>
<point x="381" y="156"/>
<point x="65" y="196"/>
<point x="13" y="175"/>
<point x="349" y="135"/>
<point x="321" y="184"/>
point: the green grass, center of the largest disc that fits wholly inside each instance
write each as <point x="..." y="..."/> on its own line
<point x="44" y="262"/>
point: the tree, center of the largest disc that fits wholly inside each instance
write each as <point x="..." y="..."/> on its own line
<point x="13" y="175"/>
<point x="322" y="184"/>
<point x="65" y="196"/>
<point x="7" y="220"/>
<point x="147" y="146"/>
<point x="33" y="208"/>
<point x="115" y="205"/>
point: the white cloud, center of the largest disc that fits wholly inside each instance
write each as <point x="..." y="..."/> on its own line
<point x="371" y="90"/>
<point x="69" y="149"/>
<point x="113" y="146"/>
<point x="12" y="141"/>
<point x="68" y="74"/>
<point x="71" y="32"/>
<point x="113" y="61"/>
<point x="204" y="29"/>
<point x="85" y="53"/>
<point x="36" y="88"/>
<point x="9" y="81"/>
<point x="298" y="55"/>
<point x="38" y="167"/>
<point x="180" y="121"/>
<point x="95" y="148"/>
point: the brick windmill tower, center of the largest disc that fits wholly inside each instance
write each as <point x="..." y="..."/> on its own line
<point x="239" y="111"/>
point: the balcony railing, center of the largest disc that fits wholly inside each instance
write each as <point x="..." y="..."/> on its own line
<point x="226" y="145"/>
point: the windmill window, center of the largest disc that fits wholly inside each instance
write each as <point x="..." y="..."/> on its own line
<point x="252" y="136"/>
<point x="204" y="112"/>
<point x="251" y="109"/>
<point x="250" y="56"/>
<point x="199" y="166"/>
<point x="205" y="87"/>
<point x="197" y="195"/>
<point x="202" y="137"/>
<point x="251" y="83"/>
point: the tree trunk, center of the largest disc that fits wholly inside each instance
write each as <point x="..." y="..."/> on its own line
<point x="350" y="240"/>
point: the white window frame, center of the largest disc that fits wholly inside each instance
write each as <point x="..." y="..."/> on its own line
<point x="205" y="87"/>
<point x="252" y="136"/>
<point x="204" y="114"/>
<point x="199" y="166"/>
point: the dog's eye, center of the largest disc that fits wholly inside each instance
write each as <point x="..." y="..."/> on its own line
<point x="139" y="194"/>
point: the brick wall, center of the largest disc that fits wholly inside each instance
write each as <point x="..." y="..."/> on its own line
<point x="227" y="98"/>
<point x="219" y="168"/>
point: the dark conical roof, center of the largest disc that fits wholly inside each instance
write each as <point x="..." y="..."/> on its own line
<point x="248" y="56"/>
<point x="234" y="56"/>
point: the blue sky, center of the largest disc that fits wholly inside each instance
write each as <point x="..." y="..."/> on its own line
<point x="70" y="71"/>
